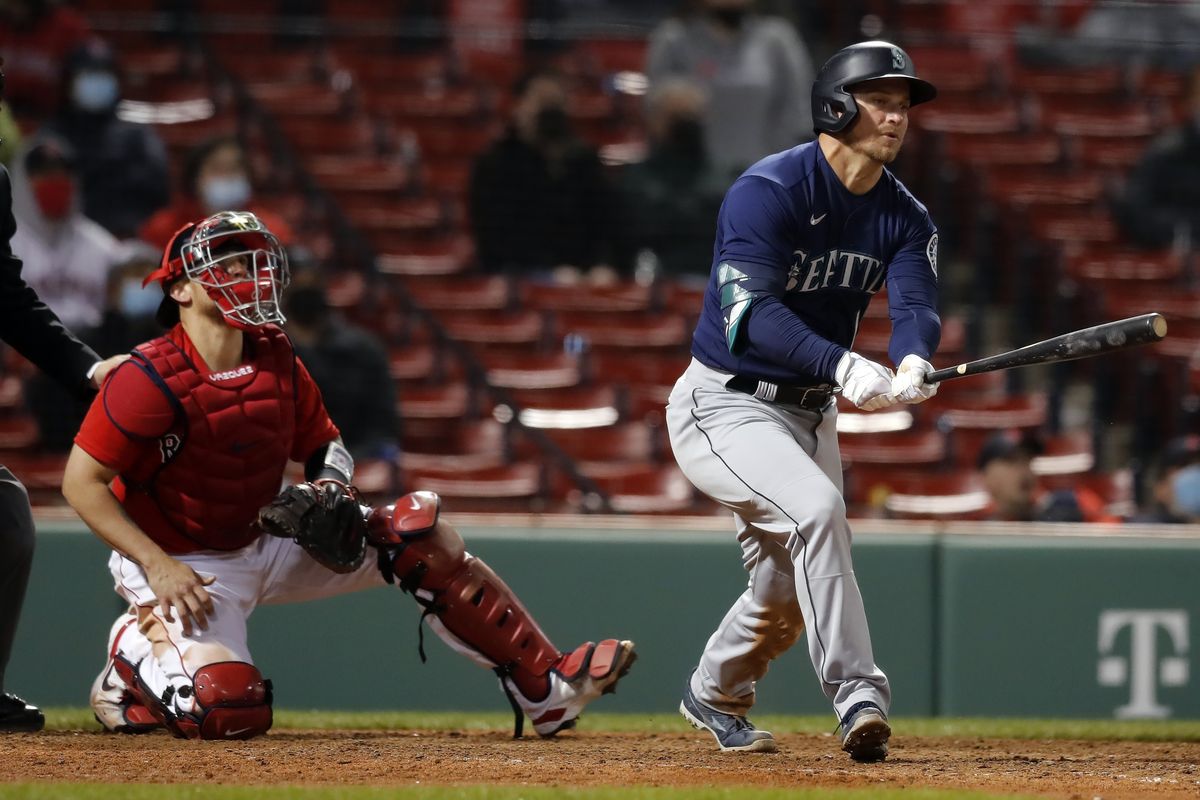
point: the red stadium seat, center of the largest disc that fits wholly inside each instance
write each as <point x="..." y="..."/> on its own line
<point x="439" y="256"/>
<point x="641" y="489"/>
<point x="971" y="420"/>
<point x="1136" y="266"/>
<point x="18" y="433"/>
<point x="633" y="331"/>
<point x="1040" y="186"/>
<point x="908" y="495"/>
<point x="486" y="292"/>
<point x="902" y="447"/>
<point x="570" y="298"/>
<point x="521" y="326"/>
<point x="974" y="117"/>
<point x="1099" y="119"/>
<point x="571" y="407"/>
<point x="1074" y="225"/>
<point x="1005" y="149"/>
<point x="1079" y="82"/>
<point x="509" y="487"/>
<point x="531" y="371"/>
<point x="622" y="444"/>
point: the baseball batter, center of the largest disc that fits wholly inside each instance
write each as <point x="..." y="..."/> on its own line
<point x="804" y="238"/>
<point x="177" y="467"/>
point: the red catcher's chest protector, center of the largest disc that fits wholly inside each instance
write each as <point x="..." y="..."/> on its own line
<point x="225" y="455"/>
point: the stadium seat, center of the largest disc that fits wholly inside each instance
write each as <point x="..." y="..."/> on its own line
<point x="974" y="117"/>
<point x="1004" y="149"/>
<point x="471" y="444"/>
<point x="509" y="487"/>
<point x="1138" y="267"/>
<point x="971" y="420"/>
<point x="917" y="495"/>
<point x="530" y="370"/>
<point x="1075" y="226"/>
<point x="523" y="326"/>
<point x="458" y="293"/>
<point x="440" y="256"/>
<point x="635" y="331"/>
<point x="910" y="447"/>
<point x="570" y="298"/>
<point x="621" y="444"/>
<point x="587" y="406"/>
<point x="640" y="489"/>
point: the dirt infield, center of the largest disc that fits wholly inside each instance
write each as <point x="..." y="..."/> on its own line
<point x="1071" y="769"/>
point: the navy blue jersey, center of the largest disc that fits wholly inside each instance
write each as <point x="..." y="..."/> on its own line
<point x="796" y="260"/>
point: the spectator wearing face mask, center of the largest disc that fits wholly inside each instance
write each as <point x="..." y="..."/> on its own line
<point x="36" y="36"/>
<point x="215" y="177"/>
<point x="1173" y="492"/>
<point x="67" y="257"/>
<point x="539" y="199"/>
<point x="757" y="73"/>
<point x="670" y="201"/>
<point x="122" y="165"/>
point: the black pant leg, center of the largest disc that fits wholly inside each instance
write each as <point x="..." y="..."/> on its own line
<point x="16" y="559"/>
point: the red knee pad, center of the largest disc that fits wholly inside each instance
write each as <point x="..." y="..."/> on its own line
<point x="233" y="701"/>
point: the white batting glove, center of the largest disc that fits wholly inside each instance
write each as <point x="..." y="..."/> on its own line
<point x="866" y="384"/>
<point x="909" y="385"/>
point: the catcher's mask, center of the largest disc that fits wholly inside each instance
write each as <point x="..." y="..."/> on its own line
<point x="238" y="261"/>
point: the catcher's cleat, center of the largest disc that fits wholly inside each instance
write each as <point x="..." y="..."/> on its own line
<point x="17" y="716"/>
<point x="865" y="733"/>
<point x="115" y="707"/>
<point x="576" y="679"/>
<point x="732" y="732"/>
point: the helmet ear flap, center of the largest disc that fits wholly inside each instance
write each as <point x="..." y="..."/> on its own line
<point x="836" y="111"/>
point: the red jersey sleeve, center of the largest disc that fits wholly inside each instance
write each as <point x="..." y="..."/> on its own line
<point x="314" y="428"/>
<point x="126" y="418"/>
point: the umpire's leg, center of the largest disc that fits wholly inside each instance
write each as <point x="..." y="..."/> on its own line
<point x="16" y="558"/>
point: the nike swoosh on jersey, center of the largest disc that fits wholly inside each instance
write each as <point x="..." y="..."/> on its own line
<point x="815" y="220"/>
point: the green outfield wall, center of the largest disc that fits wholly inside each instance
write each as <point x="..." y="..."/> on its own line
<point x="1072" y="621"/>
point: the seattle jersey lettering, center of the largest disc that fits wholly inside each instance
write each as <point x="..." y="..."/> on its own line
<point x="841" y="269"/>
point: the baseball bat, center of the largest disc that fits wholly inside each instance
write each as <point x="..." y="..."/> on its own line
<point x="1084" y="343"/>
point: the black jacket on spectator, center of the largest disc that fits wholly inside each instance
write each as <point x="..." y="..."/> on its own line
<point x="1162" y="193"/>
<point x="350" y="368"/>
<point x="27" y="324"/>
<point x="530" y="214"/>
<point x="122" y="169"/>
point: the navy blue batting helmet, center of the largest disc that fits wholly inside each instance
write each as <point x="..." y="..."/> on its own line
<point x="833" y="109"/>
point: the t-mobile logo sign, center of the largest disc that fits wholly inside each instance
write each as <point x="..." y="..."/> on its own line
<point x="1144" y="669"/>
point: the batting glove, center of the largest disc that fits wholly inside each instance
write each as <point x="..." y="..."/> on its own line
<point x="909" y="385"/>
<point x="866" y="384"/>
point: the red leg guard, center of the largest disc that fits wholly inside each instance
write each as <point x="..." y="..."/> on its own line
<point x="469" y="599"/>
<point x="227" y="700"/>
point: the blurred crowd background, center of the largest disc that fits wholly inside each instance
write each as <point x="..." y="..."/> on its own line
<point x="500" y="216"/>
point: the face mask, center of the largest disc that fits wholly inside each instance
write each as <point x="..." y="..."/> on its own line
<point x="95" y="91"/>
<point x="685" y="137"/>
<point x="553" y="126"/>
<point x="139" y="301"/>
<point x="729" y="17"/>
<point x="1186" y="487"/>
<point x="225" y="194"/>
<point x="54" y="194"/>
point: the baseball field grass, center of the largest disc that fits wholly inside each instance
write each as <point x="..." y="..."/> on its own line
<point x="311" y="755"/>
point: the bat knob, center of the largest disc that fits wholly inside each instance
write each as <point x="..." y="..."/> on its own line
<point x="1159" y="324"/>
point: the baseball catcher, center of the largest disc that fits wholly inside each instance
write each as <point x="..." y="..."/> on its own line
<point x="177" y="467"/>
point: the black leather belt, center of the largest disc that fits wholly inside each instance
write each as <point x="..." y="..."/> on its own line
<point x="813" y="398"/>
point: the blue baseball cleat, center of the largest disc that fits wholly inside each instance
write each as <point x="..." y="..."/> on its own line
<point x="731" y="732"/>
<point x="865" y="733"/>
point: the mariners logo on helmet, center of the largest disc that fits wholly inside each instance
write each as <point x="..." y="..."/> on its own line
<point x="833" y="105"/>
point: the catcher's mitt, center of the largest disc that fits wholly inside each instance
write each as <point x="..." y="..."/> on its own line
<point x="324" y="518"/>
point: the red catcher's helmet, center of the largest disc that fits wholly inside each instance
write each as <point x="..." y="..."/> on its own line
<point x="206" y="251"/>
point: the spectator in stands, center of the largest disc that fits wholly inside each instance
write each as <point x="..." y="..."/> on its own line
<point x="757" y="72"/>
<point x="671" y="199"/>
<point x="122" y="165"/>
<point x="67" y="257"/>
<point x="129" y="308"/>
<point x="1006" y="466"/>
<point x="539" y="198"/>
<point x="349" y="365"/>
<point x="215" y="177"/>
<point x="1161" y="201"/>
<point x="36" y="36"/>
<point x="1174" y="494"/>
